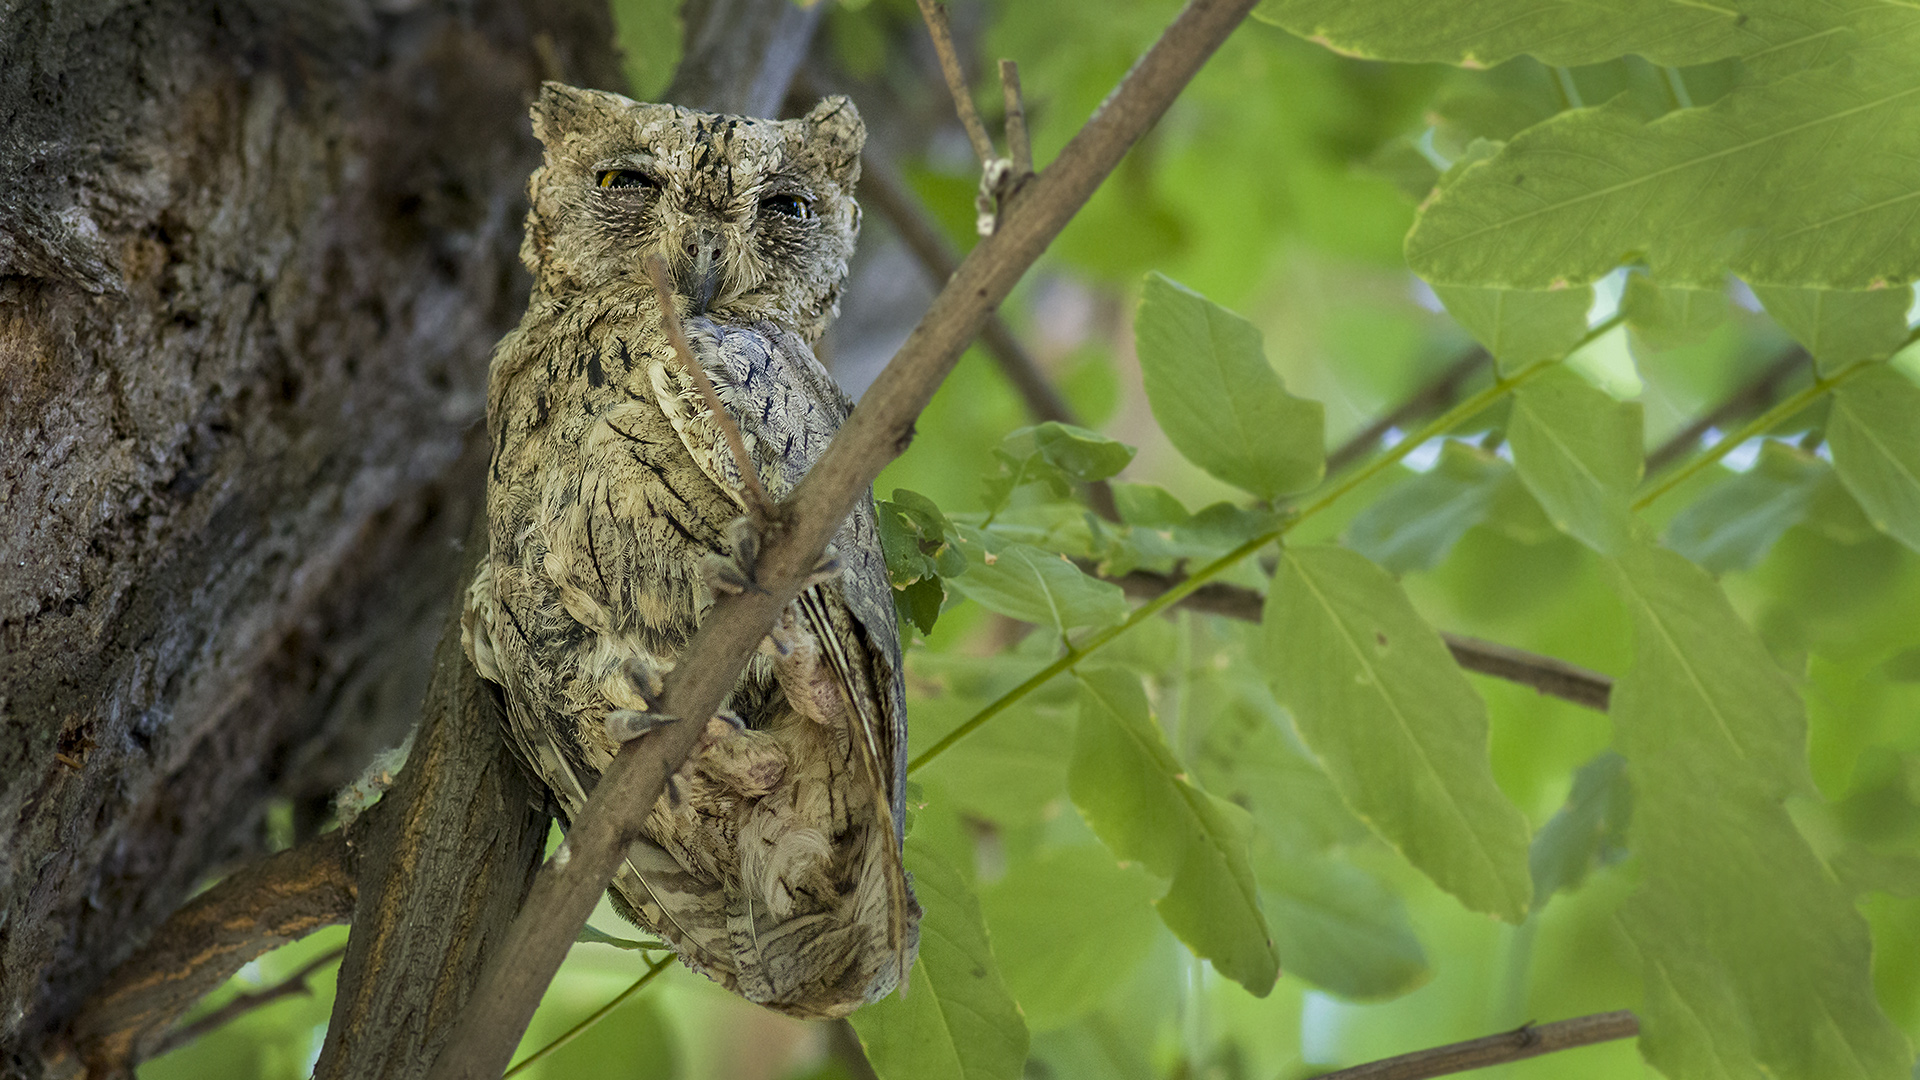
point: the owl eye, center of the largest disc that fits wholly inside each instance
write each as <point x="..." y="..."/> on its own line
<point x="787" y="205"/>
<point x="627" y="178"/>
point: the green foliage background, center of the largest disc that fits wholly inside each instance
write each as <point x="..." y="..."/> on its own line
<point x="1181" y="845"/>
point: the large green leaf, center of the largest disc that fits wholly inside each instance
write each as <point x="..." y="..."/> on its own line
<point x="1482" y="33"/>
<point x="1737" y="521"/>
<point x="1802" y="180"/>
<point x="1840" y="327"/>
<point x="1377" y="696"/>
<point x="1520" y="326"/>
<point x="1874" y="430"/>
<point x="1069" y="924"/>
<point x="1578" y="451"/>
<point x="956" y="1021"/>
<point x="1027" y="583"/>
<point x="1218" y="400"/>
<point x="1756" y="963"/>
<point x="1416" y="523"/>
<point x="1337" y="926"/>
<point x="1133" y="792"/>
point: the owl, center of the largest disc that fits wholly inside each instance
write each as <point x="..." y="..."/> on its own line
<point x="773" y="863"/>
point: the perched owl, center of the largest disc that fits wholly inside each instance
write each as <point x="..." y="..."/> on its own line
<point x="773" y="864"/>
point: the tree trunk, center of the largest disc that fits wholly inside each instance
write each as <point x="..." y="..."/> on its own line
<point x="252" y="259"/>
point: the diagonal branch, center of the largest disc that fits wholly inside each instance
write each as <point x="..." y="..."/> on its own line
<point x="291" y="986"/>
<point x="566" y="890"/>
<point x="1516" y="1045"/>
<point x="1437" y="394"/>
<point x="1750" y="398"/>
<point x="935" y="14"/>
<point x="1549" y="675"/>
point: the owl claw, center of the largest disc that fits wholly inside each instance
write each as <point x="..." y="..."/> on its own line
<point x="626" y="725"/>
<point x="738" y="573"/>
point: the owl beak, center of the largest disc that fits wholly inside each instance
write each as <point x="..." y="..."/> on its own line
<point x="699" y="275"/>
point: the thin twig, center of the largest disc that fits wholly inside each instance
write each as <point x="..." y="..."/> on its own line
<point x="1019" y="148"/>
<point x="935" y="14"/>
<point x="1516" y="1045"/>
<point x="295" y="983"/>
<point x="1751" y="397"/>
<point x="1438" y="393"/>
<point x="1549" y="675"/>
<point x="579" y="1029"/>
<point x="759" y="504"/>
<point x="566" y="890"/>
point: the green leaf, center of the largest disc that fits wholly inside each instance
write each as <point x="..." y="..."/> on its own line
<point x="1840" y="327"/>
<point x="1148" y="505"/>
<point x="1024" y="582"/>
<point x="1735" y="524"/>
<point x="1589" y="831"/>
<point x="1485" y="32"/>
<point x="1520" y="326"/>
<point x="1756" y="962"/>
<point x="1800" y="176"/>
<point x="1665" y="318"/>
<point x="1377" y="696"/>
<point x="1417" y="522"/>
<point x="1247" y="753"/>
<point x="1338" y="927"/>
<point x="1133" y="793"/>
<point x="1218" y="400"/>
<point x="1874" y="430"/>
<point x="956" y="1020"/>
<point x="593" y="936"/>
<point x="1578" y="451"/>
<point x="1081" y="454"/>
<point x="1070" y="926"/>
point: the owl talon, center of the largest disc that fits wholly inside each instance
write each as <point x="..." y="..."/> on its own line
<point x="737" y="574"/>
<point x="626" y="725"/>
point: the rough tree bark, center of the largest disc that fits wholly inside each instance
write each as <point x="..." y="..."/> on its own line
<point x="252" y="258"/>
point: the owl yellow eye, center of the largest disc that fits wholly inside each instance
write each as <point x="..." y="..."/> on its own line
<point x="787" y="205"/>
<point x="626" y="178"/>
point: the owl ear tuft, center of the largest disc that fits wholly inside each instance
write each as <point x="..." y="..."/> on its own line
<point x="838" y="134"/>
<point x="560" y="109"/>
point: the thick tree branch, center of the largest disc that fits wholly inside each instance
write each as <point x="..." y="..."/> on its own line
<point x="1548" y="675"/>
<point x="565" y="891"/>
<point x="1524" y="1042"/>
<point x="278" y="900"/>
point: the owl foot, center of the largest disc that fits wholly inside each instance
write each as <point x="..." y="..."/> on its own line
<point x="738" y="573"/>
<point x="626" y="725"/>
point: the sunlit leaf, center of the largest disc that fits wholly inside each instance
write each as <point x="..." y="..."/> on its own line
<point x="1874" y="430"/>
<point x="1485" y="32"/>
<point x="1068" y="926"/>
<point x="1024" y="582"/>
<point x="1133" y="792"/>
<point x="1218" y="400"/>
<point x="1735" y="523"/>
<point x="1578" y="451"/>
<point x="1520" y="326"/>
<point x="956" y="1021"/>
<point x="1840" y="327"/>
<point x="1377" y="696"/>
<point x="1756" y="962"/>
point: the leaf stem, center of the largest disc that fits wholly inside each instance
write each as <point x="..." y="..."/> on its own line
<point x="1440" y="425"/>
<point x="599" y="1014"/>
<point x="1759" y="425"/>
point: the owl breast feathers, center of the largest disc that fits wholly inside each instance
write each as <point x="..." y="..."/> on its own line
<point x="773" y="864"/>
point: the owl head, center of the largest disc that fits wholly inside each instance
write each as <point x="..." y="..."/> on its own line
<point x="755" y="218"/>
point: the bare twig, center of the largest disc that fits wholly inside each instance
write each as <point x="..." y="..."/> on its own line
<point x="278" y="900"/>
<point x="1749" y="398"/>
<point x="935" y="14"/>
<point x="759" y="504"/>
<point x="1019" y="148"/>
<point x="653" y="971"/>
<point x="1548" y="675"/>
<point x="293" y="984"/>
<point x="1524" y="1042"/>
<point x="1443" y="390"/>
<point x="565" y="891"/>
